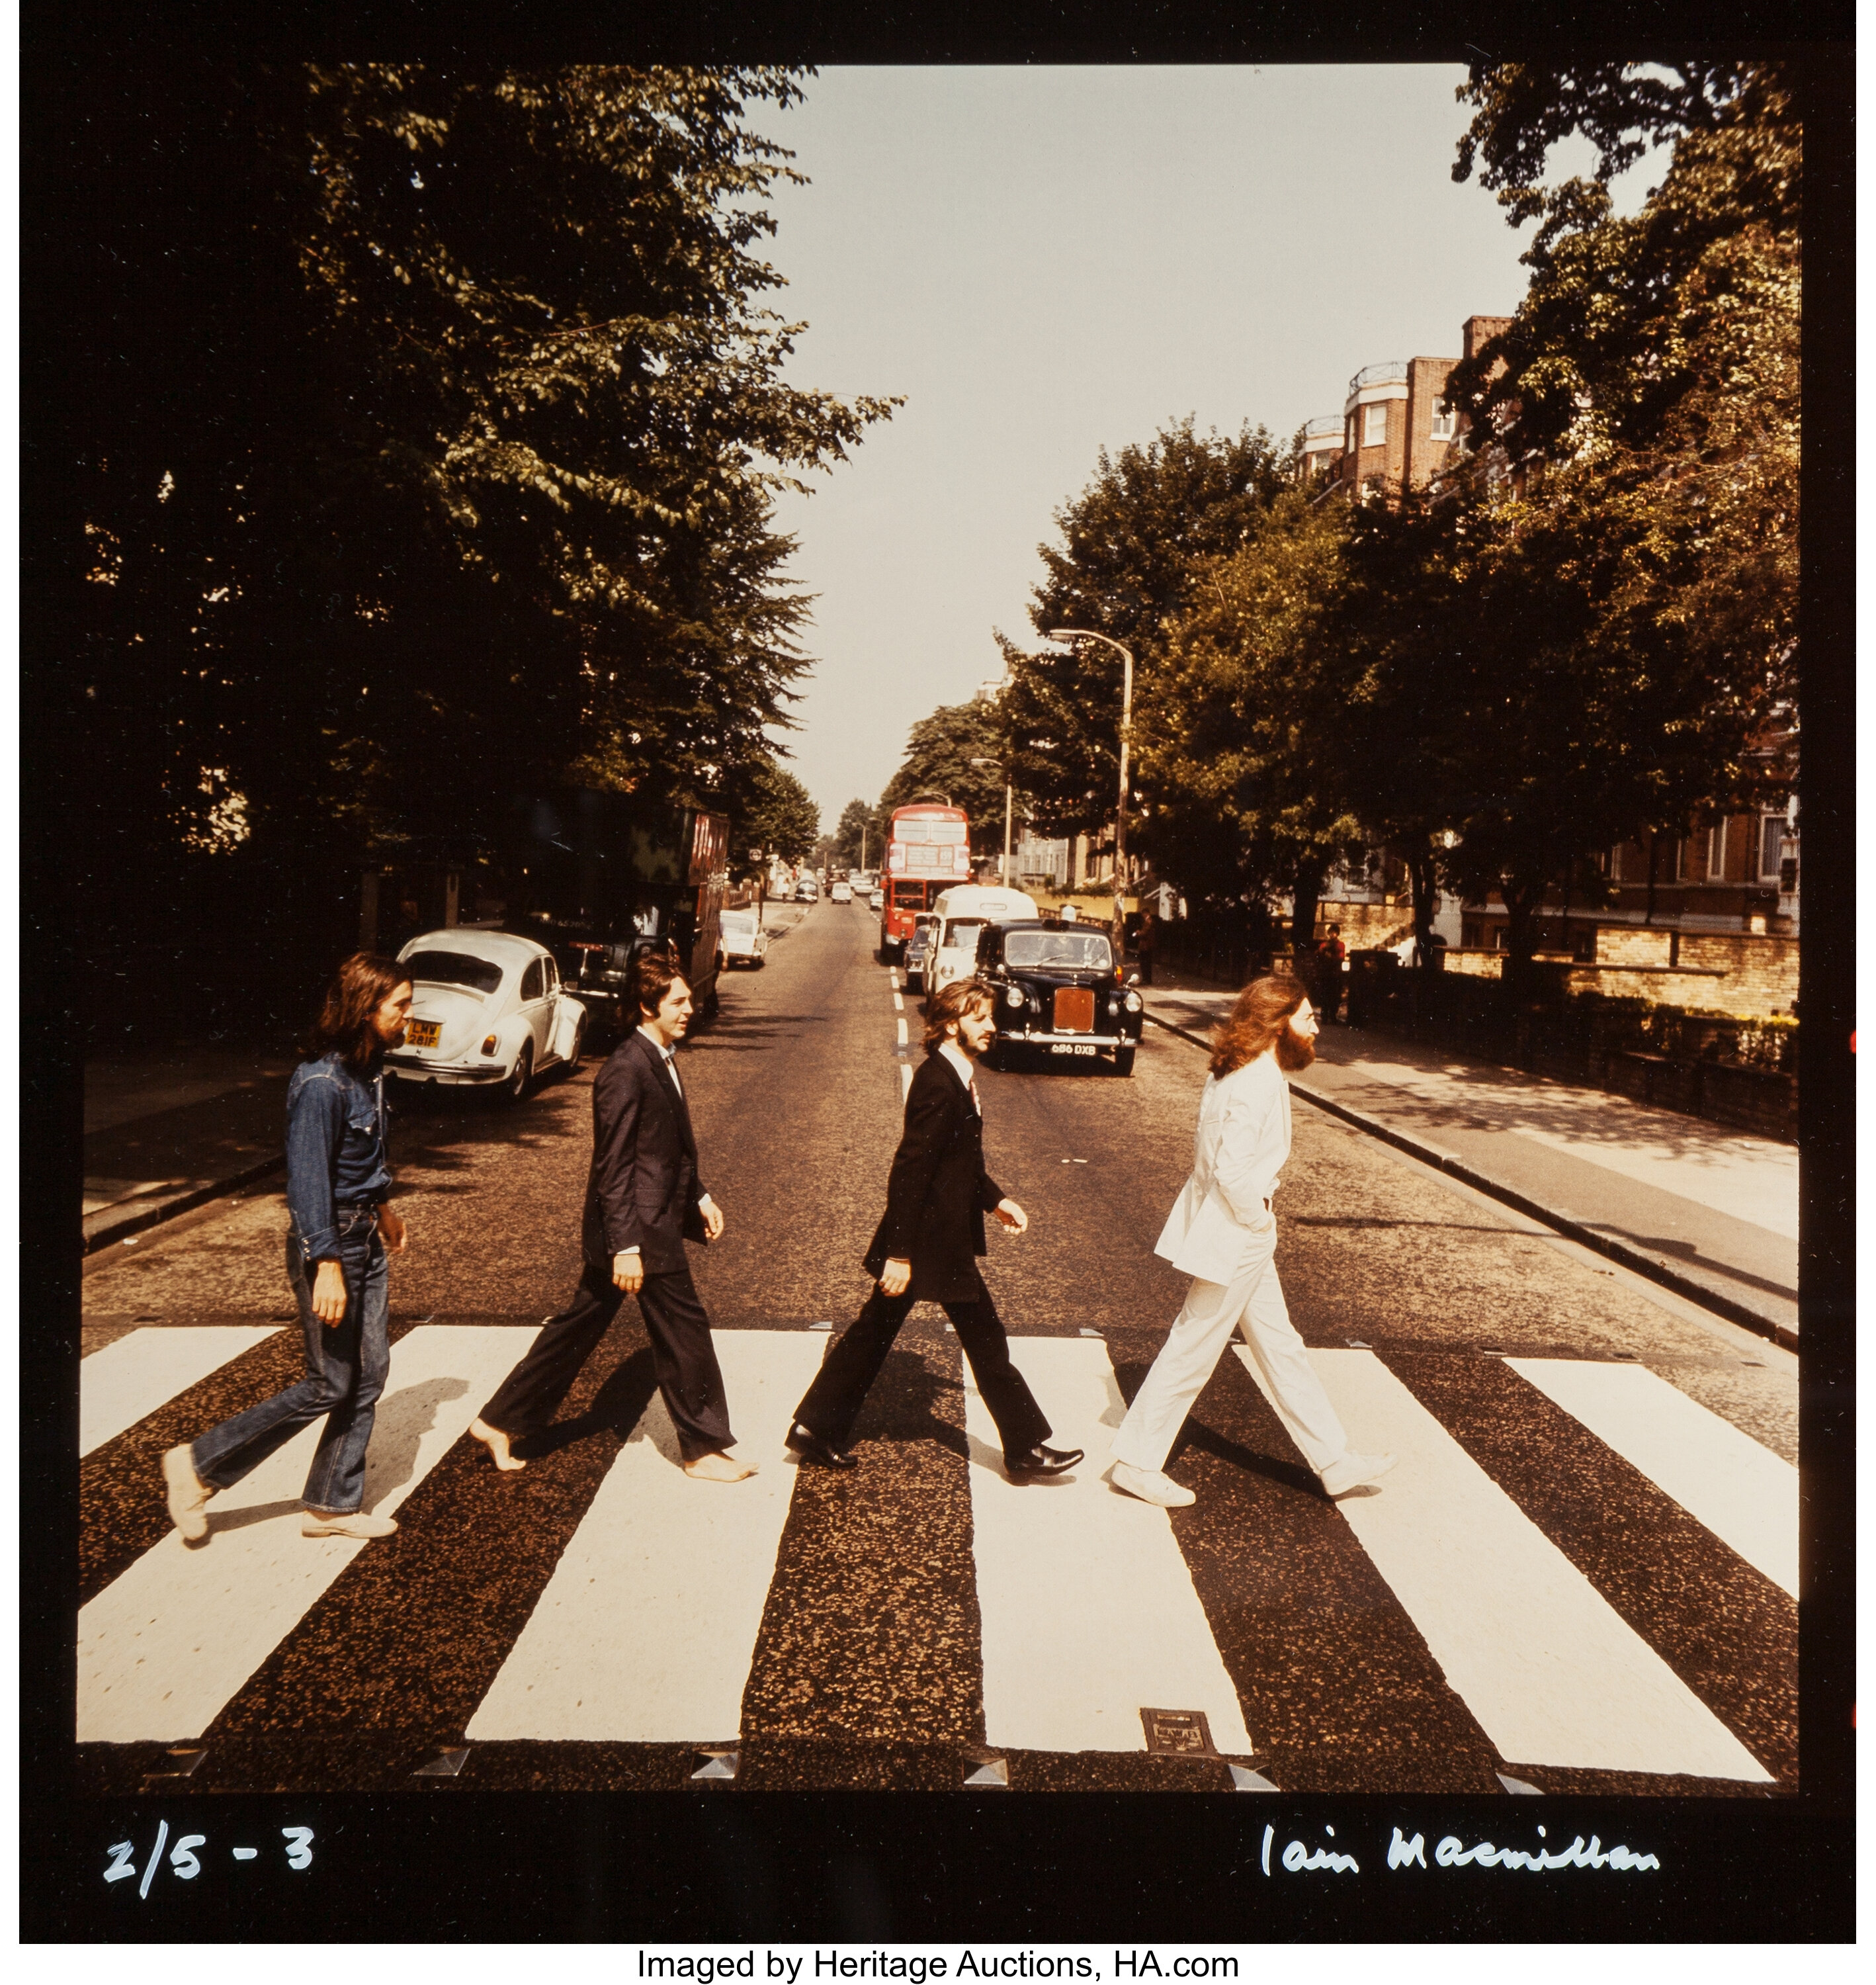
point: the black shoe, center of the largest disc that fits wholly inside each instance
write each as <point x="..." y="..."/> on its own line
<point x="1041" y="1462"/>
<point x="822" y="1453"/>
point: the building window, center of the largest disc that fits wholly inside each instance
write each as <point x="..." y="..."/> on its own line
<point x="1716" y="851"/>
<point x="1771" y="846"/>
<point x="1351" y="434"/>
<point x="1374" y="424"/>
<point x="1445" y="423"/>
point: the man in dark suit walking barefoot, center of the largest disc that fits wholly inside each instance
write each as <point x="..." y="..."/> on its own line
<point x="644" y="1201"/>
<point x="926" y="1249"/>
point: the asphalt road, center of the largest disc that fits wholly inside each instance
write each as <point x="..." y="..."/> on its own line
<point x="1580" y="1575"/>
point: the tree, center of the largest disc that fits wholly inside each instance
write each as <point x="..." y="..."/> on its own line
<point x="428" y="434"/>
<point x="1240" y="730"/>
<point x="780" y="819"/>
<point x="937" y="766"/>
<point x="1130" y="543"/>
<point x="852" y="848"/>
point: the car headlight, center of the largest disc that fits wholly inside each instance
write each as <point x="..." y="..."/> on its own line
<point x="1134" y="1003"/>
<point x="488" y="1046"/>
<point x="1014" y="996"/>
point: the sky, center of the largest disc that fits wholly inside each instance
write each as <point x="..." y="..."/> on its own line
<point x="1047" y="262"/>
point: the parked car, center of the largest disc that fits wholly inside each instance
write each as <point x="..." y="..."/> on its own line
<point x="1059" y="992"/>
<point x="918" y="949"/>
<point x="740" y="939"/>
<point x="841" y="892"/>
<point x="489" y="1011"/>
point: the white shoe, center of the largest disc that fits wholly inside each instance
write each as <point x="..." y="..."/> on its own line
<point x="187" y="1493"/>
<point x="352" y="1524"/>
<point x="1150" y="1486"/>
<point x="1353" y="1470"/>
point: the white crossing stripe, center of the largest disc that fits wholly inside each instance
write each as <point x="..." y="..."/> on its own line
<point x="163" y="1647"/>
<point x="1088" y="1611"/>
<point x="120" y="1385"/>
<point x="1553" y="1673"/>
<point x="645" y="1631"/>
<point x="1745" y="1493"/>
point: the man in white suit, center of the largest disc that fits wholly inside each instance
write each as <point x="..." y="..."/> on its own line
<point x="1222" y="1234"/>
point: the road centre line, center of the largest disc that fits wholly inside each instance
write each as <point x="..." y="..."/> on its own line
<point x="130" y="1379"/>
<point x="164" y="1647"/>
<point x="898" y="1005"/>
<point x="1088" y="1611"/>
<point x="903" y="1035"/>
<point x="645" y="1631"/>
<point x="1742" y="1492"/>
<point x="1554" y="1675"/>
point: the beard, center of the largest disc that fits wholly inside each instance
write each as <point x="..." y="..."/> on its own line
<point x="1294" y="1051"/>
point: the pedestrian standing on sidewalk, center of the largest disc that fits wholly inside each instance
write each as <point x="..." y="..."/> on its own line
<point x="926" y="1251"/>
<point x="1222" y="1233"/>
<point x="644" y="1201"/>
<point x="338" y="1178"/>
<point x="1145" y="944"/>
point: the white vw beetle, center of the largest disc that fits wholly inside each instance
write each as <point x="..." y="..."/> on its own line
<point x="488" y="1009"/>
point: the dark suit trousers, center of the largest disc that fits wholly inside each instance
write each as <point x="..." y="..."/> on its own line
<point x="832" y="1403"/>
<point x="683" y="1356"/>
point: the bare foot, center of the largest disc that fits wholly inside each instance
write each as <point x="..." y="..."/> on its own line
<point x="496" y="1442"/>
<point x="720" y="1468"/>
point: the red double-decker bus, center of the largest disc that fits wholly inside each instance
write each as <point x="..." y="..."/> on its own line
<point x="928" y="852"/>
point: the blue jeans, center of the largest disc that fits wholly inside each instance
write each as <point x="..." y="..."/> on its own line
<point x="347" y="1364"/>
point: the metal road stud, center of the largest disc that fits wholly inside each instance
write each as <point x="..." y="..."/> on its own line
<point x="1243" y="1779"/>
<point x="718" y="1766"/>
<point x="1512" y="1785"/>
<point x="993" y="1773"/>
<point x="446" y="1765"/>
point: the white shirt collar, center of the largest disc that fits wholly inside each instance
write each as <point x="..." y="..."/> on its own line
<point x="960" y="1062"/>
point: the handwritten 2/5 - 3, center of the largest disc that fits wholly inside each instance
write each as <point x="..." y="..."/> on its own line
<point x="184" y="1863"/>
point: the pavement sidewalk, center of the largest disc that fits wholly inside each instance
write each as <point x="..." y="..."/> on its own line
<point x="1710" y="1211"/>
<point x="166" y="1131"/>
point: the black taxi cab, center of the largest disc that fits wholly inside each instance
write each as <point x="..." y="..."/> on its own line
<point x="1059" y="993"/>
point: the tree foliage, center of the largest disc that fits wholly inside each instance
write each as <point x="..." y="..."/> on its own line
<point x="1130" y="543"/>
<point x="432" y="423"/>
<point x="779" y="817"/>
<point x="851" y="848"/>
<point x="937" y="766"/>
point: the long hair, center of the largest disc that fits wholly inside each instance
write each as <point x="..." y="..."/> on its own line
<point x="1256" y="1022"/>
<point x="945" y="1009"/>
<point x="360" y="986"/>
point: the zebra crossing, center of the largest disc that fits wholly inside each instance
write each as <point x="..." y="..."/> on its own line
<point x="650" y="1625"/>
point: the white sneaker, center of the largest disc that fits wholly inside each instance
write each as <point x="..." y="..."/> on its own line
<point x="353" y="1523"/>
<point x="1150" y="1486"/>
<point x="187" y="1493"/>
<point x="1353" y="1470"/>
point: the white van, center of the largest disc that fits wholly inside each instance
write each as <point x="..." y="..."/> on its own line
<point x="962" y="912"/>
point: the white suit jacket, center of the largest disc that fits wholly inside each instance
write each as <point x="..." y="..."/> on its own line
<point x="1220" y="1224"/>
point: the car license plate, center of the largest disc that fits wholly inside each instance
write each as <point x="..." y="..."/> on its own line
<point x="423" y="1033"/>
<point x="1071" y="1047"/>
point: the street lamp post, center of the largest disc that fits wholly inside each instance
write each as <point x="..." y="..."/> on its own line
<point x="996" y="765"/>
<point x="1126" y="739"/>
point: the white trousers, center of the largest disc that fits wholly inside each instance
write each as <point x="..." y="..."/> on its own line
<point x="1186" y="1360"/>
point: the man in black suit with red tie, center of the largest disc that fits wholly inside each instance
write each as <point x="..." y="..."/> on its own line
<point x="926" y="1249"/>
<point x="644" y="1201"/>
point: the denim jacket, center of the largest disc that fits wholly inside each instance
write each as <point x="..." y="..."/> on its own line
<point x="337" y="1155"/>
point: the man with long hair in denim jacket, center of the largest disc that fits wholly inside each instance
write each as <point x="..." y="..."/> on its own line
<point x="338" y="1175"/>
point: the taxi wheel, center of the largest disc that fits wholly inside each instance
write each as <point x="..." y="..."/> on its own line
<point x="1123" y="1061"/>
<point x="515" y="1087"/>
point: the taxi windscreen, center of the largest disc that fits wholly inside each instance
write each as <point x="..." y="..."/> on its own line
<point x="1070" y="951"/>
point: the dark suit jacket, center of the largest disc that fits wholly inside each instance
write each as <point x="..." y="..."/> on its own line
<point x="939" y="1192"/>
<point x="643" y="1188"/>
